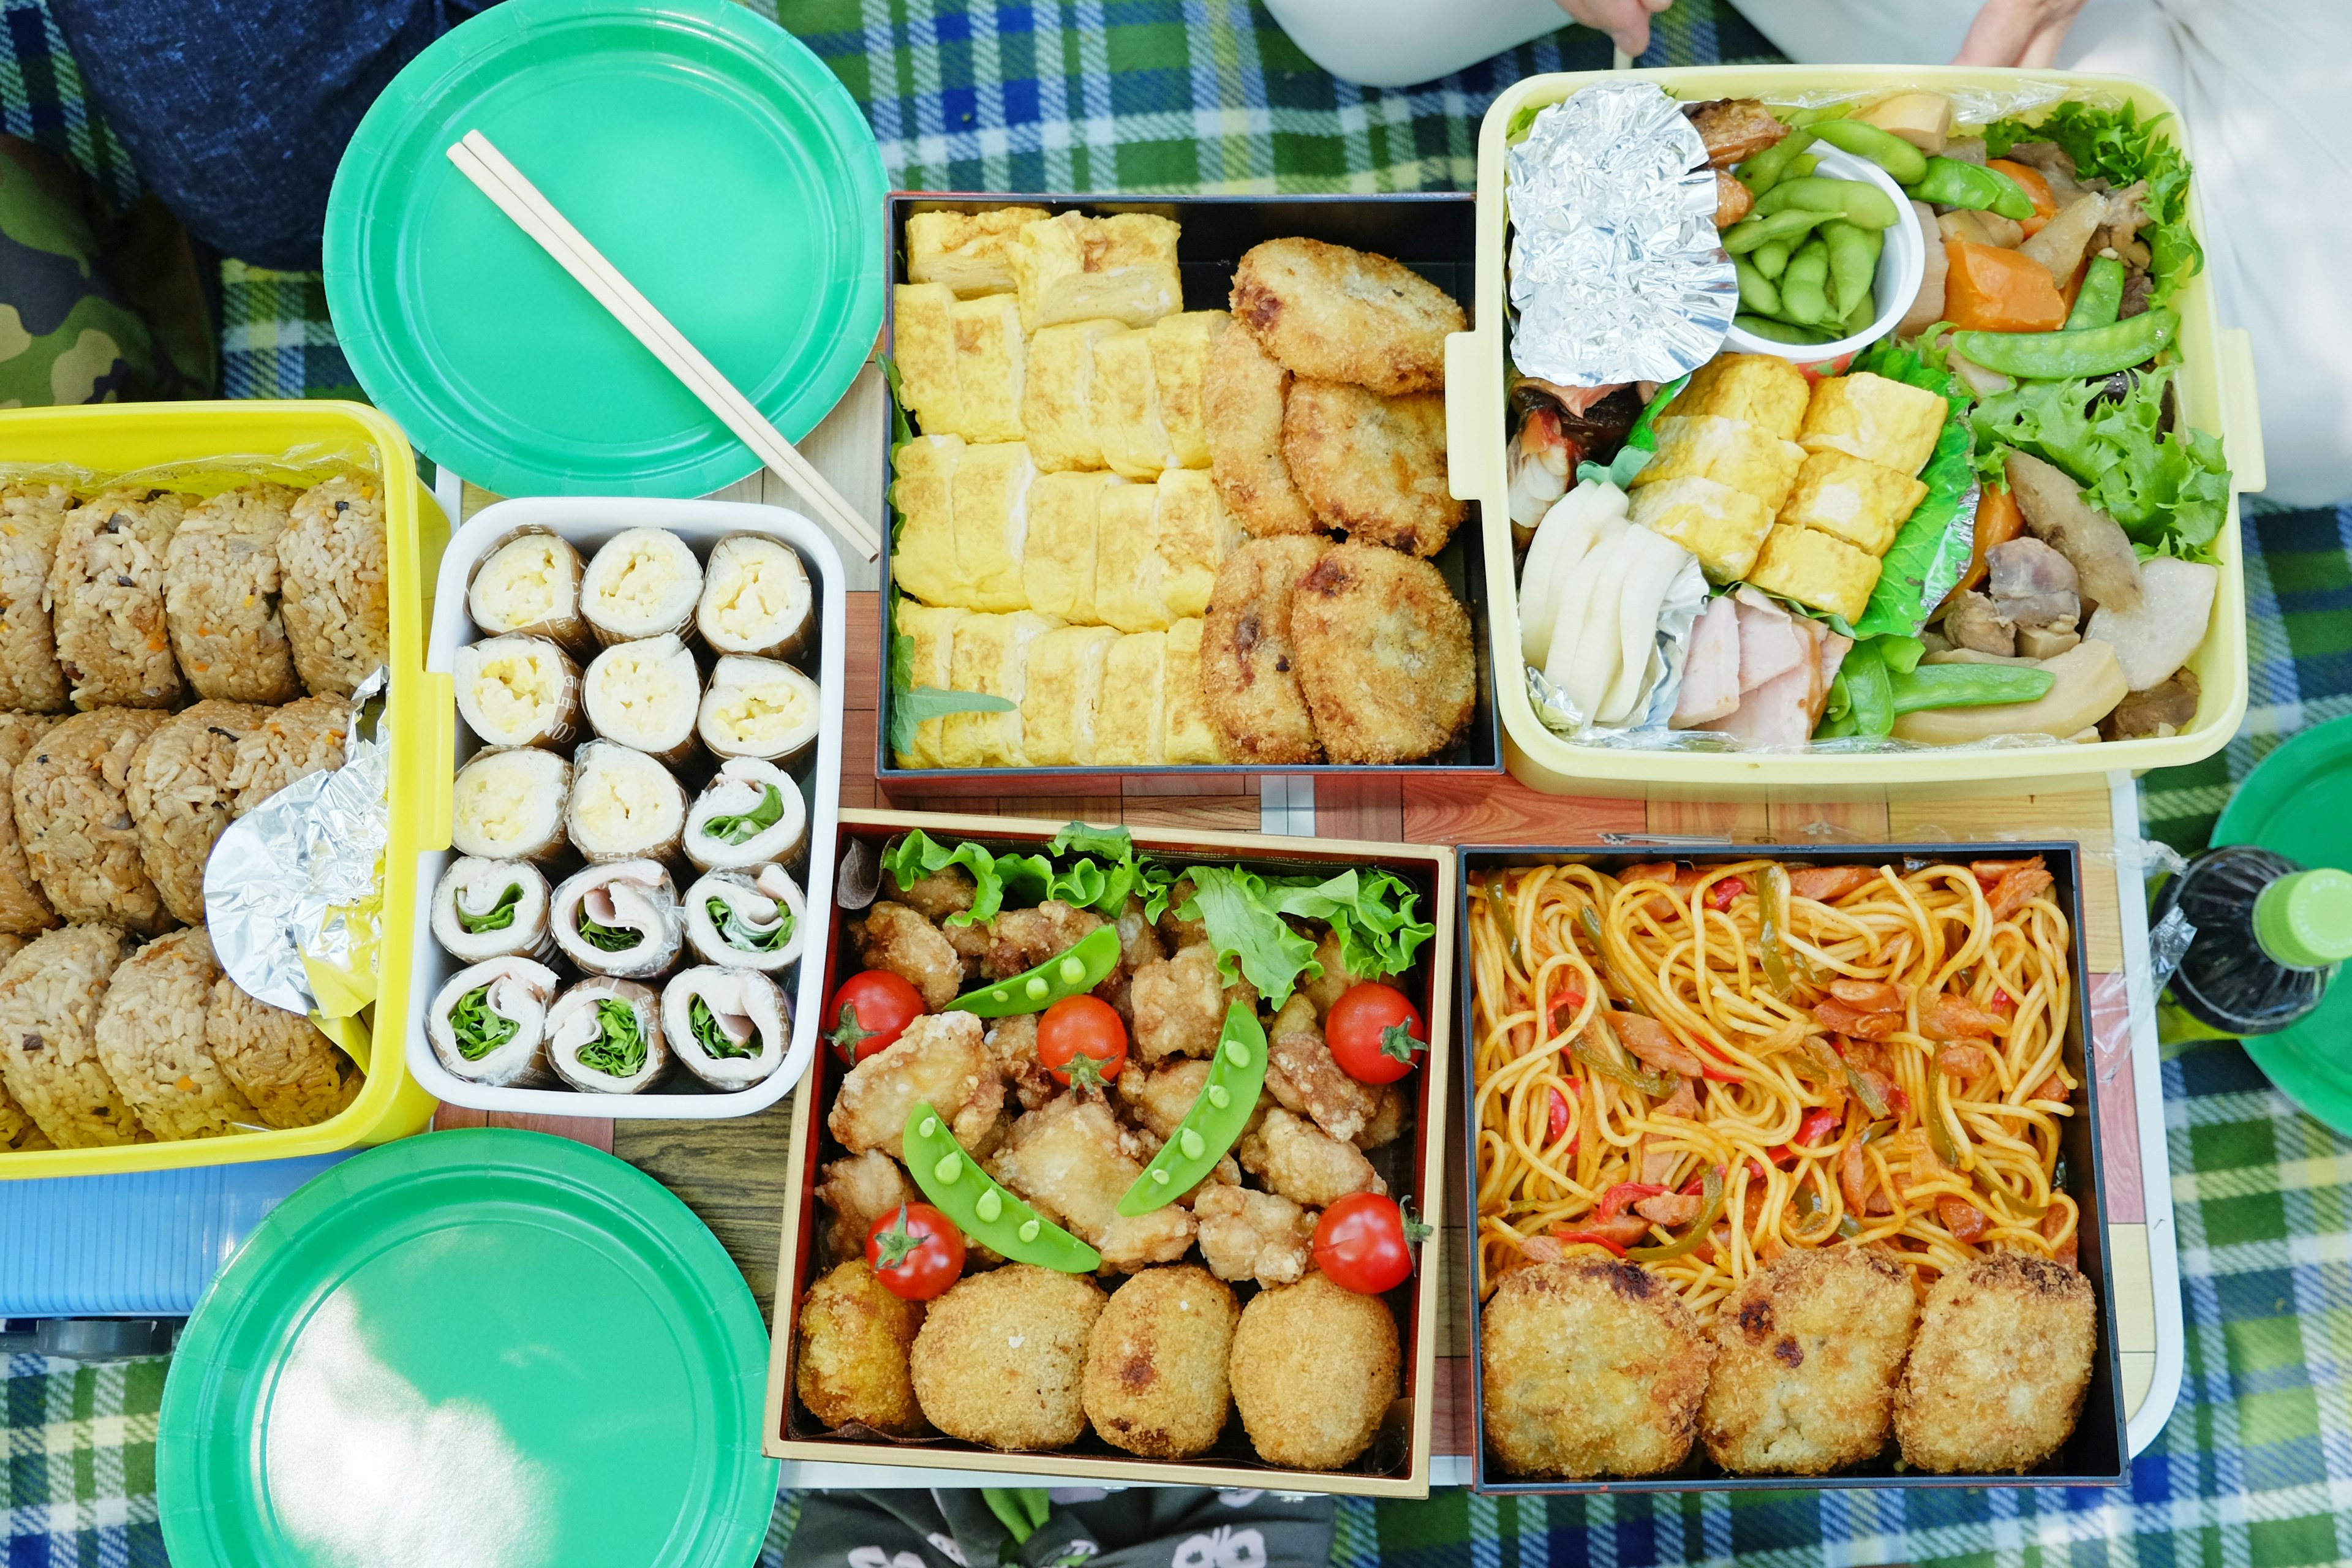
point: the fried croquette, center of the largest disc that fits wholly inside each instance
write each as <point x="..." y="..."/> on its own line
<point x="860" y="1191"/>
<point x="1999" y="1366"/>
<point x="1371" y="465"/>
<point x="1314" y="1370"/>
<point x="855" y="1338"/>
<point x="1250" y="1235"/>
<point x="1339" y="314"/>
<point x="1592" y="1367"/>
<point x="895" y="938"/>
<point x="1242" y="399"/>
<point x="1306" y="1164"/>
<point x="1002" y="1356"/>
<point x="1383" y="654"/>
<point x="940" y="1057"/>
<point x="1807" y="1353"/>
<point x="1156" y="1364"/>
<point x="1249" y="667"/>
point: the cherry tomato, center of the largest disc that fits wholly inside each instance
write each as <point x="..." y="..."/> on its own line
<point x="1373" y="1033"/>
<point x="1365" y="1243"/>
<point x="915" y="1251"/>
<point x="869" y="1012"/>
<point x="1081" y="1041"/>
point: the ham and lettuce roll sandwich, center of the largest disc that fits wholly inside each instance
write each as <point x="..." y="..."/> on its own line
<point x="488" y="1024"/>
<point x="492" y="908"/>
<point x="605" y="1036"/>
<point x="746" y="920"/>
<point x="620" y="919"/>
<point x="730" y="1028"/>
<point x="749" y="814"/>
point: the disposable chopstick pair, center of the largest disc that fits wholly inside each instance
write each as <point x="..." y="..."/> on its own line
<point x="520" y="200"/>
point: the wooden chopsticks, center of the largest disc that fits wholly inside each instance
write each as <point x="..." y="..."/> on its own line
<point x="520" y="200"/>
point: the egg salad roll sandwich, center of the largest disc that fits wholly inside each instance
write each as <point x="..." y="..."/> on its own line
<point x="759" y="708"/>
<point x="625" y="806"/>
<point x="642" y="584"/>
<point x="756" y="598"/>
<point x="509" y="805"/>
<point x="643" y="694"/>
<point x="529" y="584"/>
<point x="518" y="690"/>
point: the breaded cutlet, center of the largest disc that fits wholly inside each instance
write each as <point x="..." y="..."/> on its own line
<point x="852" y="1367"/>
<point x="1384" y="656"/>
<point x="1249" y="667"/>
<point x="1807" y="1353"/>
<point x="1373" y="467"/>
<point x="1339" y="314"/>
<point x="1999" y="1366"/>
<point x="1242" y="396"/>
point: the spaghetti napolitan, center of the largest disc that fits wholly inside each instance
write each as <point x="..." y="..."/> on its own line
<point x="1695" y="1067"/>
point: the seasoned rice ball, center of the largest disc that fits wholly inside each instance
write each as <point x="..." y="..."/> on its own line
<point x="180" y="797"/>
<point x="854" y="1340"/>
<point x="1156" y="1381"/>
<point x="1002" y="1356"/>
<point x="73" y="818"/>
<point x="49" y="999"/>
<point x="334" y="594"/>
<point x="31" y="517"/>
<point x="290" y="743"/>
<point x="17" y="1129"/>
<point x="1807" y="1352"/>
<point x="2000" y="1367"/>
<point x="151" y="1040"/>
<point x="292" y="1074"/>
<point x="220" y="596"/>
<point x="106" y="599"/>
<point x="23" y="909"/>
<point x="1314" y="1370"/>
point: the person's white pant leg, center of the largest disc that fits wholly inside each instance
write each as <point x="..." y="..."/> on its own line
<point x="1394" y="43"/>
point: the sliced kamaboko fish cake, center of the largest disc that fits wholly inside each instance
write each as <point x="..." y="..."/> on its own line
<point x="759" y="708"/>
<point x="756" y="598"/>
<point x="509" y="805"/>
<point x="749" y="814"/>
<point x="605" y="1036"/>
<point x="644" y="694"/>
<point x="1571" y="528"/>
<point x="518" y="690"/>
<point x="530" y="586"/>
<point x="747" y="919"/>
<point x="488" y="1024"/>
<point x="730" y="1028"/>
<point x="492" y="908"/>
<point x="624" y="805"/>
<point x="621" y="919"/>
<point x="642" y="584"/>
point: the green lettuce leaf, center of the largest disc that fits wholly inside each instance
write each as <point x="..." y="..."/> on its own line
<point x="2117" y="145"/>
<point x="1372" y="914"/>
<point x="1641" y="443"/>
<point x="1246" y="926"/>
<point x="1931" y="550"/>
<point x="2169" y="492"/>
<point x="995" y="878"/>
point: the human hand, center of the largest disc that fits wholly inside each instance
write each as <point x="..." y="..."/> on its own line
<point x="1627" y="22"/>
<point x="2017" y="33"/>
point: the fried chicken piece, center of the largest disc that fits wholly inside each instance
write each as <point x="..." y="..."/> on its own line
<point x="1297" y="1058"/>
<point x="1734" y="129"/>
<point x="941" y="1059"/>
<point x="1807" y="1350"/>
<point x="1139" y="944"/>
<point x="1313" y="1370"/>
<point x="1387" y="1123"/>
<point x="1371" y="465"/>
<point x="1250" y="1235"/>
<point x="1999" y="1366"/>
<point x="946" y="892"/>
<point x="971" y="943"/>
<point x="1296" y="1159"/>
<point x="1002" y="1357"/>
<point x="1156" y="1364"/>
<point x="1176" y="933"/>
<point x="895" y="938"/>
<point x="1241" y="396"/>
<point x="860" y="1191"/>
<point x="1068" y="1159"/>
<point x="1179" y="1004"/>
<point x="1021" y="940"/>
<point x="1249" y="676"/>
<point x="1013" y="1045"/>
<point x="1159" y="1097"/>
<point x="1333" y="983"/>
<point x="1383" y="654"/>
<point x="1732" y="199"/>
<point x="1339" y="314"/>
<point x="856" y="1337"/>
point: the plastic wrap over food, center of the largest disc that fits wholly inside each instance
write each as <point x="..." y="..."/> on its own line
<point x="294" y="892"/>
<point x="1616" y="272"/>
<point x="1660" y="684"/>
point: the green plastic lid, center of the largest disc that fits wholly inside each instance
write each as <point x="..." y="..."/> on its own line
<point x="2305" y="921"/>
<point x="707" y="153"/>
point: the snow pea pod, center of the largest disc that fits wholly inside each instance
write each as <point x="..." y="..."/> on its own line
<point x="1966" y="686"/>
<point x="1765" y="170"/>
<point x="1871" y="690"/>
<point x="2071" y="356"/>
<point x="1073" y="972"/>
<point x="987" y="1213"/>
<point x="1948" y="183"/>
<point x="1856" y="201"/>
<point x="1236" y="1073"/>
<point x="2101" y="296"/>
<point x="1883" y="148"/>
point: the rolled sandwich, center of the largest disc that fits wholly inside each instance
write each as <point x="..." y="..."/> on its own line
<point x="728" y="1027"/>
<point x="620" y="920"/>
<point x="518" y="690"/>
<point x="605" y="1036"/>
<point x="749" y="814"/>
<point x="755" y="598"/>
<point x="488" y="1024"/>
<point x="643" y="694"/>
<point x="530" y="586"/>
<point x="642" y="584"/>
<point x="625" y="806"/>
<point x="740" y="919"/>
<point x="492" y="908"/>
<point x="509" y="805"/>
<point x="759" y="708"/>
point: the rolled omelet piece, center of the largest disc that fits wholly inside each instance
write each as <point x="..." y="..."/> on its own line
<point x="932" y="633"/>
<point x="759" y="708"/>
<point x="1130" y="722"/>
<point x="1757" y="389"/>
<point x="989" y="355"/>
<point x="1129" y="578"/>
<point x="1073" y="267"/>
<point x="1135" y="439"/>
<point x="1722" y="526"/>
<point x="968" y="252"/>
<point x="1059" y="557"/>
<point x="1816" y="569"/>
<point x="1729" y="451"/>
<point x="1058" y="396"/>
<point x="1188" y="736"/>
<point x="1870" y="416"/>
<point x="922" y="343"/>
<point x="1853" y="498"/>
<point x="1062" y="693"/>
<point x="991" y="656"/>
<point x="990" y="500"/>
<point x="922" y="558"/>
<point x="1196" y="535"/>
<point x="1179" y="359"/>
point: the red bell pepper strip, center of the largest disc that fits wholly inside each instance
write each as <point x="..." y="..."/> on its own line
<point x="1558" y="1123"/>
<point x="1719" y="897"/>
<point x="1818" y="1124"/>
<point x="1625" y="1194"/>
<point x="1575" y="1238"/>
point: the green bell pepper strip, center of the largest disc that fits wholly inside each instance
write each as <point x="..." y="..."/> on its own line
<point x="1767" y="168"/>
<point x="1948" y="183"/>
<point x="1770" y="258"/>
<point x="1858" y="202"/>
<point x="1866" y="1092"/>
<point x="1073" y="972"/>
<point x="1767" y="932"/>
<point x="1712" y="1188"/>
<point x="2101" y="295"/>
<point x="1778" y="331"/>
<point x="985" y="1210"/>
<point x="1589" y="918"/>
<point x="1905" y="162"/>
<point x="1750" y="233"/>
<point x="1969" y="685"/>
<point x="1756" y="290"/>
<point x="1657" y="1086"/>
<point x="1228" y="1100"/>
<point x="1805" y="287"/>
<point x="2072" y="356"/>
<point x="1871" y="691"/>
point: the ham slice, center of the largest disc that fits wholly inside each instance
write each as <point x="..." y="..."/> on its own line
<point x="1770" y="643"/>
<point x="1710" y="668"/>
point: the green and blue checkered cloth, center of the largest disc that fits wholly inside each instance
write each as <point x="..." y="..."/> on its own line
<point x="2255" y="1467"/>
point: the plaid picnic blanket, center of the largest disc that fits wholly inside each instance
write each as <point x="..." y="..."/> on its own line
<point x="2255" y="1466"/>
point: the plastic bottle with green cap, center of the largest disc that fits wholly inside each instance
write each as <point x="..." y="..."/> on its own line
<point x="2269" y="937"/>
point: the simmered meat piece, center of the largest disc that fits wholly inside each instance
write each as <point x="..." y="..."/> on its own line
<point x="1734" y="129"/>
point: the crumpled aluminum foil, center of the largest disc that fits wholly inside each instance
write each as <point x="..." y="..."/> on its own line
<point x="284" y="878"/>
<point x="1616" y="271"/>
<point x="1685" y="598"/>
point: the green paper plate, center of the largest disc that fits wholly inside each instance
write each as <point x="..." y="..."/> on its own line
<point x="479" y="1346"/>
<point x="2298" y="803"/>
<point x="707" y="153"/>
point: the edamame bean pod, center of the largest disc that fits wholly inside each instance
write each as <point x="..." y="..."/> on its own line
<point x="1073" y="972"/>
<point x="1853" y="200"/>
<point x="1850" y="264"/>
<point x="1952" y="184"/>
<point x="1800" y="167"/>
<point x="1235" y="1075"/>
<point x="1772" y="258"/>
<point x="1966" y="686"/>
<point x="2069" y="356"/>
<point x="1804" y="297"/>
<point x="1864" y="311"/>
<point x="1883" y="148"/>
<point x="2101" y="296"/>
<point x="1765" y="327"/>
<point x="987" y="1213"/>
<point x="1790" y="225"/>
<point x="1766" y="169"/>
<point x="1756" y="290"/>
